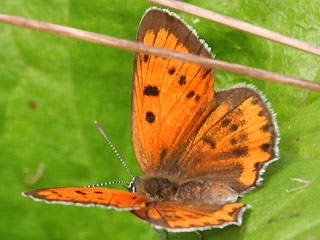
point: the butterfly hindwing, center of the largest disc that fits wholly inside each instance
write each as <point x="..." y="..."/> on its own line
<point x="85" y="196"/>
<point x="170" y="98"/>
<point x="235" y="143"/>
<point x="175" y="218"/>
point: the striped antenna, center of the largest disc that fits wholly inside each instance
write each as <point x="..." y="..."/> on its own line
<point x="108" y="183"/>
<point x="113" y="148"/>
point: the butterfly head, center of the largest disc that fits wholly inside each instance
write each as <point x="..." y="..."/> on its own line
<point x="155" y="188"/>
<point x="132" y="185"/>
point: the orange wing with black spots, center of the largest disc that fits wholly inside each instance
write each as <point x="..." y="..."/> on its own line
<point x="85" y="196"/>
<point x="170" y="98"/>
<point x="235" y="143"/>
<point x="175" y="218"/>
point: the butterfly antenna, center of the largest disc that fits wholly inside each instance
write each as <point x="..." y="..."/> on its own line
<point x="108" y="183"/>
<point x="113" y="148"/>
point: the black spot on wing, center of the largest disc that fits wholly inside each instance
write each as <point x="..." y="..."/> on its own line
<point x="265" y="147"/>
<point x="233" y="141"/>
<point x="150" y="117"/>
<point x="182" y="80"/>
<point x="206" y="73"/>
<point x="151" y="91"/>
<point x="172" y="71"/>
<point x="225" y="122"/>
<point x="82" y="193"/>
<point x="240" y="151"/>
<point x="266" y="128"/>
<point x="190" y="94"/>
<point x="146" y="58"/>
<point x="211" y="142"/>
<point x="233" y="127"/>
<point x="243" y="137"/>
<point x="261" y="113"/>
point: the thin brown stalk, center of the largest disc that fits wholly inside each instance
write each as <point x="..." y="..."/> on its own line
<point x="307" y="183"/>
<point x="139" y="47"/>
<point x="239" y="25"/>
<point x="281" y="218"/>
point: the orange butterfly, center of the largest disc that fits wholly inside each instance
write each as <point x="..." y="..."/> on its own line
<point x="199" y="150"/>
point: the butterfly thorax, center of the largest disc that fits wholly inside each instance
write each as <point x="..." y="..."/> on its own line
<point x="188" y="192"/>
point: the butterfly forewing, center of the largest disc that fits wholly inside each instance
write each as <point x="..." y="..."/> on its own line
<point x="85" y="196"/>
<point x="170" y="98"/>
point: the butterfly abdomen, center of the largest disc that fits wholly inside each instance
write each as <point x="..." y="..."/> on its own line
<point x="188" y="193"/>
<point x="205" y="192"/>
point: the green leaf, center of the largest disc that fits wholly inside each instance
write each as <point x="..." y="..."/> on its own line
<point x="53" y="88"/>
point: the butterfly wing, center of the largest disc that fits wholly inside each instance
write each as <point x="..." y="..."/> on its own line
<point x="176" y="218"/>
<point x="170" y="98"/>
<point x="85" y="196"/>
<point x="235" y="143"/>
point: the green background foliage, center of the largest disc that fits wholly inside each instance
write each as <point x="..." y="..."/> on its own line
<point x="53" y="88"/>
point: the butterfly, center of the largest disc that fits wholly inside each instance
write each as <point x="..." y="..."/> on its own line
<point x="199" y="149"/>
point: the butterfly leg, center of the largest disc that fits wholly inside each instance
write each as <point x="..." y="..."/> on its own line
<point x="199" y="235"/>
<point x="158" y="233"/>
<point x="167" y="234"/>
